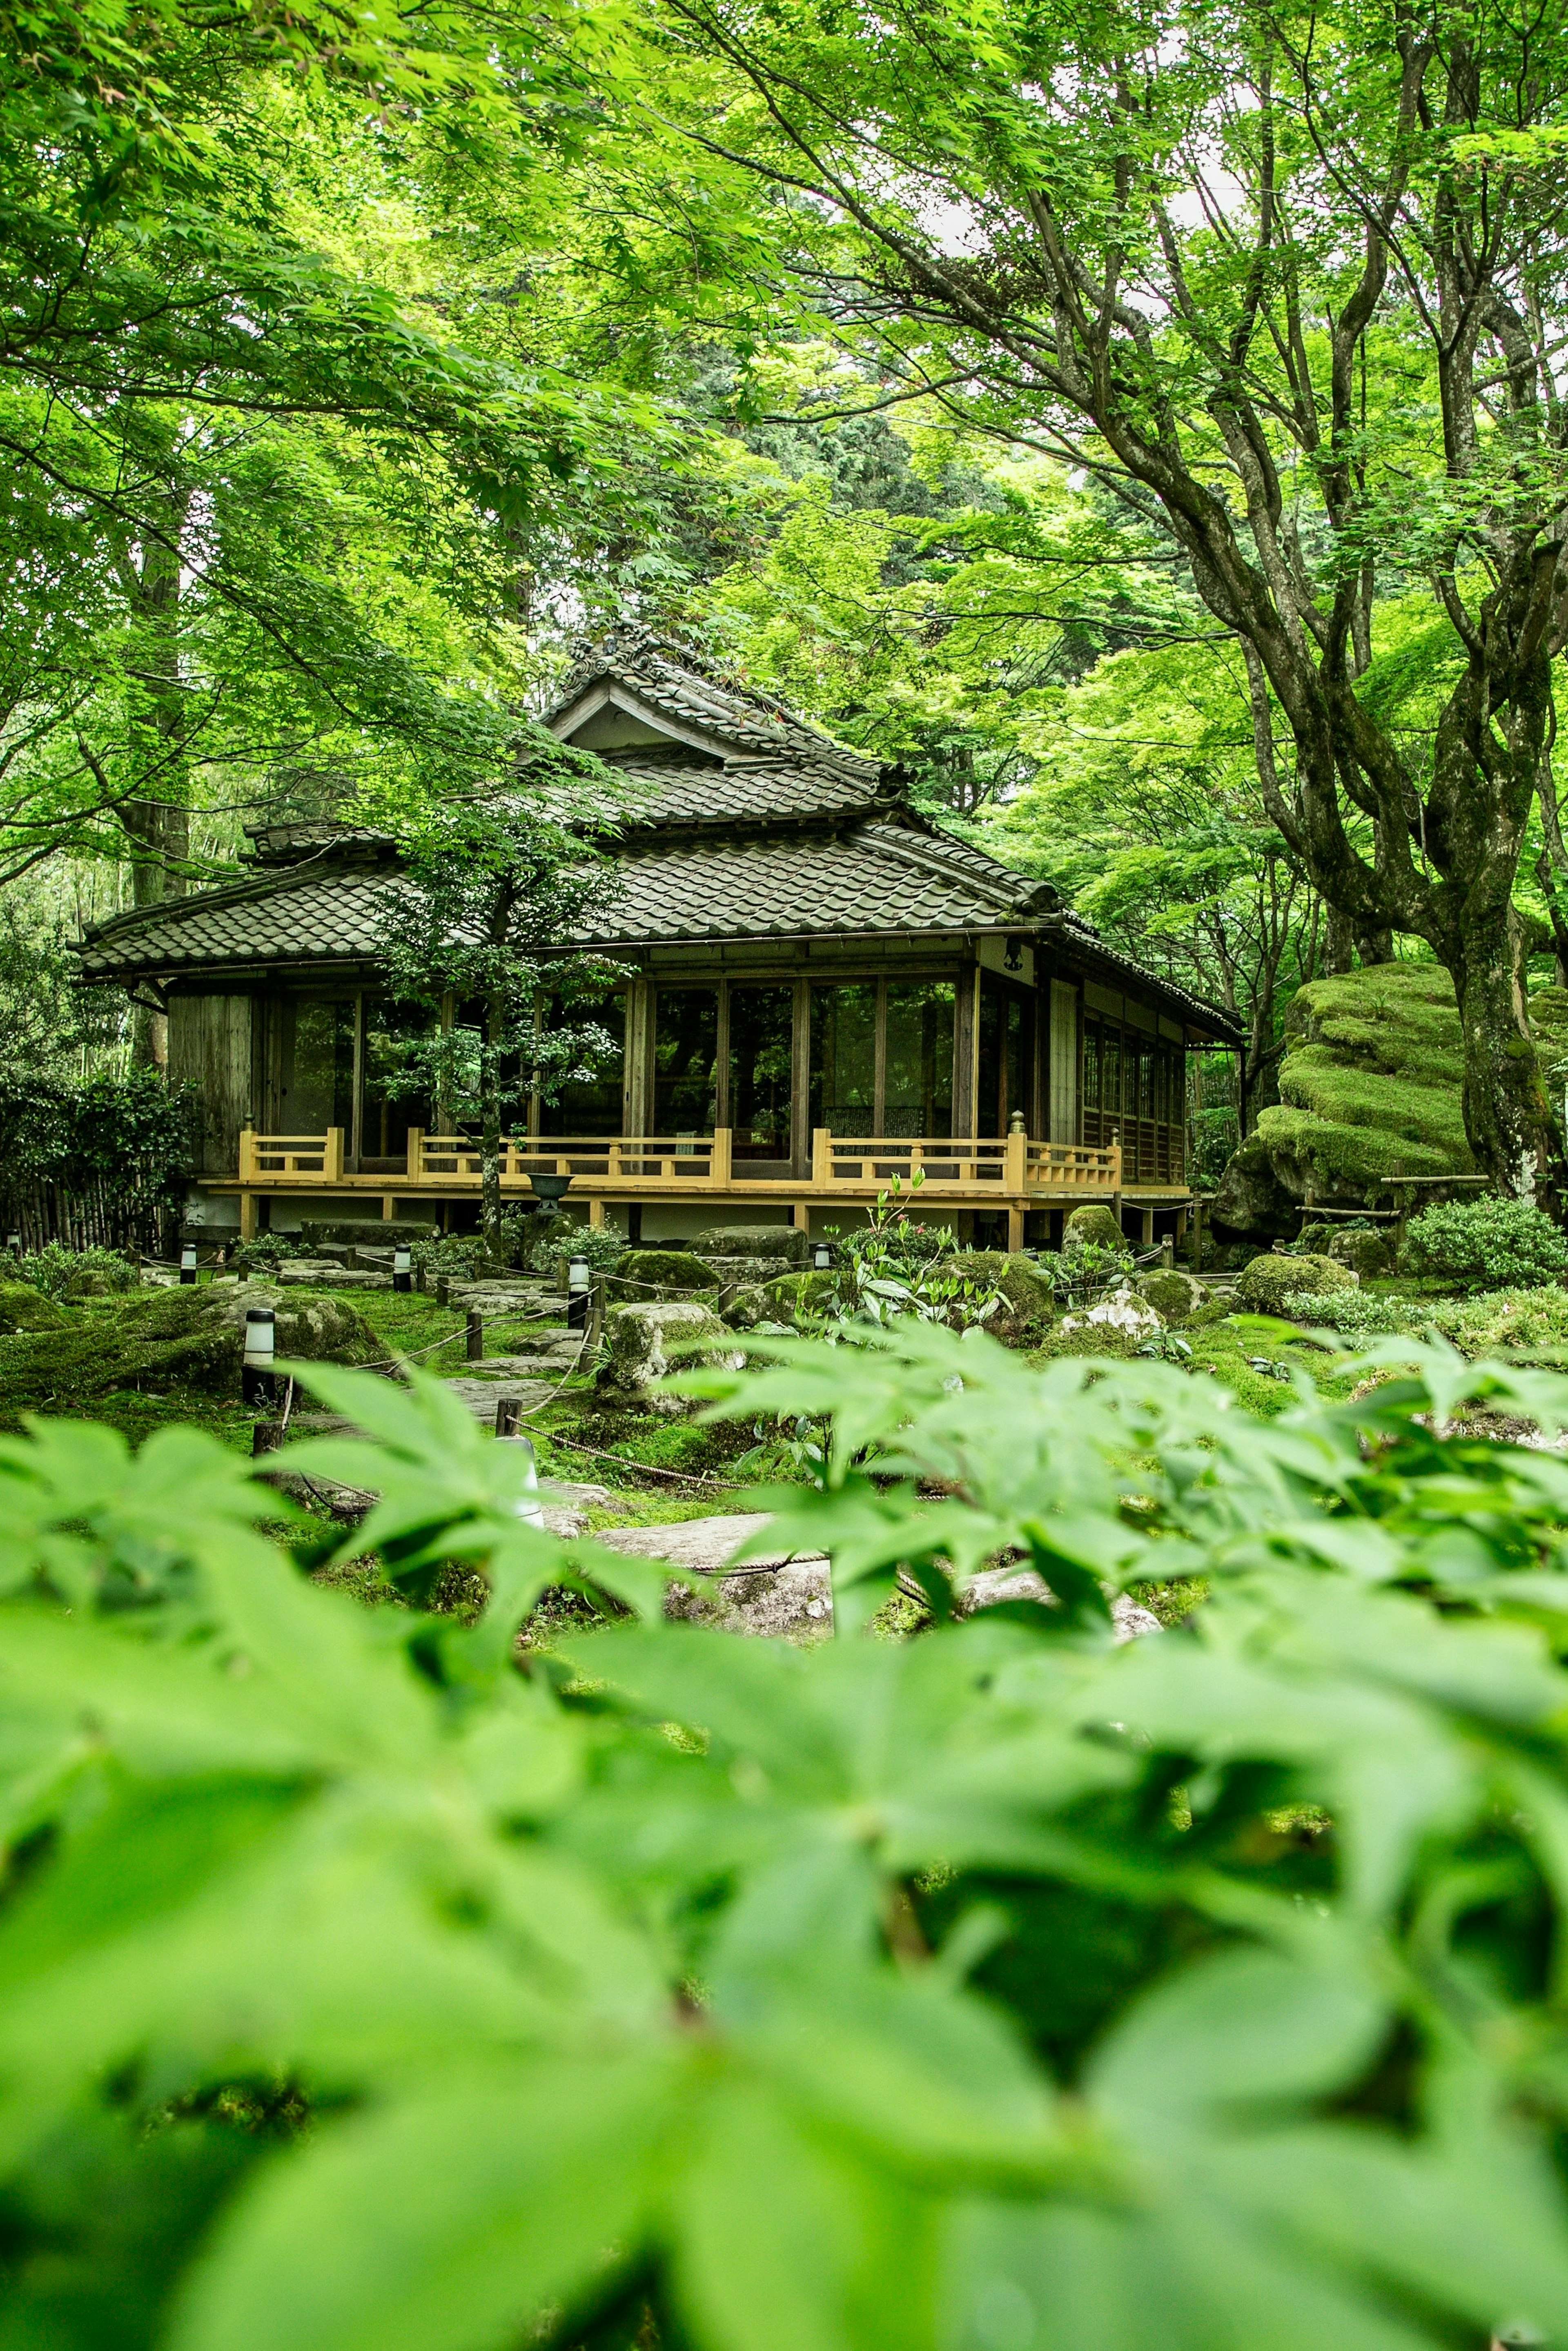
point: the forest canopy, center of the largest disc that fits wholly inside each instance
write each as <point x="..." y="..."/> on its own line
<point x="1146" y="431"/>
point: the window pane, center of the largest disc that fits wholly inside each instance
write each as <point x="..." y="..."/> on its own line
<point x="843" y="1058"/>
<point x="1091" y="1068"/>
<point x="761" y="1045"/>
<point x="1111" y="1079"/>
<point x="1014" y="1062"/>
<point x="318" y="1066"/>
<point x="919" y="1084"/>
<point x="591" y="1105"/>
<point x="686" y="1060"/>
<point x="1145" y="1082"/>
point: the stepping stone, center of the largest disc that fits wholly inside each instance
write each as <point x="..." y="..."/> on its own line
<point x="482" y="1396"/>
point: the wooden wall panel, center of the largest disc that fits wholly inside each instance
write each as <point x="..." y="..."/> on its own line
<point x="210" y="1047"/>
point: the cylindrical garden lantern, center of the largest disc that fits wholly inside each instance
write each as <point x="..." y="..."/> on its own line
<point x="188" y="1262"/>
<point x="403" y="1269"/>
<point x="258" y="1380"/>
<point x="579" y="1282"/>
<point x="528" y="1506"/>
<point x="822" y="1257"/>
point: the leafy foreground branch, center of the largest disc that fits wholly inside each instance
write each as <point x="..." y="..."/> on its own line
<point x="368" y="1981"/>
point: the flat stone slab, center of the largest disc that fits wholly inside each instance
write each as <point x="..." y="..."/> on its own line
<point x="482" y="1396"/>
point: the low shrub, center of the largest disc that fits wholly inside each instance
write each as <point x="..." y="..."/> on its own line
<point x="1268" y="1280"/>
<point x="1491" y="1243"/>
<point x="1354" y="1313"/>
<point x="374" y="1977"/>
<point x="61" y="1272"/>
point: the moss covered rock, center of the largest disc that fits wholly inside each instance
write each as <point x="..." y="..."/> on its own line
<point x="1097" y="1226"/>
<point x="1268" y="1282"/>
<point x="1368" y="1254"/>
<point x="177" y="1338"/>
<point x="654" y="1277"/>
<point x="644" y="1344"/>
<point x="1176" y="1296"/>
<point x="787" y="1242"/>
<point x="1030" y="1297"/>
<point x="793" y="1294"/>
<point x="23" y="1307"/>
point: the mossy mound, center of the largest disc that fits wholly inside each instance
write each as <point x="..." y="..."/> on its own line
<point x="1370" y="1089"/>
<point x="1268" y="1282"/>
<point x="23" y="1307"/>
<point x="1176" y="1296"/>
<point x="801" y="1293"/>
<point x="1031" y="1301"/>
<point x="646" y="1277"/>
<point x="1096" y="1227"/>
<point x="177" y="1338"/>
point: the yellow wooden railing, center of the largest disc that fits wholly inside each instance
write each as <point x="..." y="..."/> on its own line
<point x="269" y="1158"/>
<point x="1007" y="1167"/>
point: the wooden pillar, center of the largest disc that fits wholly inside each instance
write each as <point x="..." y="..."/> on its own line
<point x="389" y="1207"/>
<point x="1015" y="1229"/>
<point x="596" y="1210"/>
<point x="967" y="1049"/>
<point x="1146" y="1228"/>
<point x="636" y="1089"/>
<point x="247" y="1215"/>
<point x="357" y="1088"/>
<point x="801" y="1082"/>
<point x="1181" y="1223"/>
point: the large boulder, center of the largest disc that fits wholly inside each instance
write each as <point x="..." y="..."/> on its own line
<point x="1095" y="1227"/>
<point x="660" y="1277"/>
<point x="1269" y="1281"/>
<point x="1176" y="1297"/>
<point x="788" y="1242"/>
<point x="644" y="1344"/>
<point x="1123" y="1315"/>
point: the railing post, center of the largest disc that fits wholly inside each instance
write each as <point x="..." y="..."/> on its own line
<point x="332" y="1156"/>
<point x="246" y="1152"/>
<point x="722" y="1157"/>
<point x="415" y="1153"/>
<point x="1016" y="1170"/>
<point x="821" y="1158"/>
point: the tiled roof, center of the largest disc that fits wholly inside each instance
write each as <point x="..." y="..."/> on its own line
<point x="324" y="912"/>
<point x="875" y="878"/>
<point x="753" y="793"/>
<point x="789" y="835"/>
<point x="714" y="700"/>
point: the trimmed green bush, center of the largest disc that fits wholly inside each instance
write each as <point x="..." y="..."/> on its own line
<point x="1489" y="1243"/>
<point x="1268" y="1282"/>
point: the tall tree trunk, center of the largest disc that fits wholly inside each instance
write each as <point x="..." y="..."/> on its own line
<point x="1506" y="1109"/>
<point x="157" y="820"/>
<point x="491" y="1036"/>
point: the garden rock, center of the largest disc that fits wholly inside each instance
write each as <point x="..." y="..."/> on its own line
<point x="23" y="1307"/>
<point x="660" y="1276"/>
<point x="1124" y="1313"/>
<point x="1269" y="1281"/>
<point x="1094" y="1226"/>
<point x="1177" y="1297"/>
<point x="1027" y="1293"/>
<point x="992" y="1586"/>
<point x="1368" y="1254"/>
<point x="771" y="1242"/>
<point x="749" y="1305"/>
<point x="644" y="1344"/>
<point x="317" y="1273"/>
<point x="794" y="1294"/>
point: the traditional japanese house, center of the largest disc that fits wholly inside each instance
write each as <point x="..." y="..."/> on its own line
<point x="828" y="990"/>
